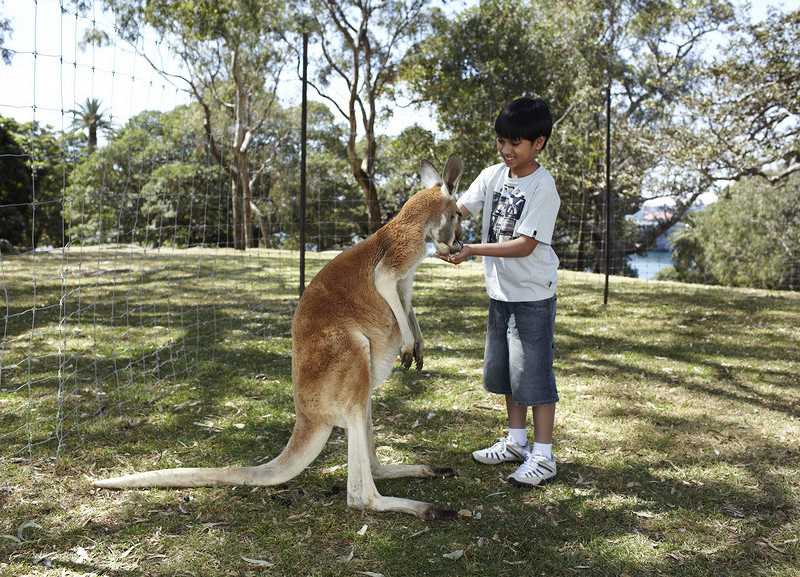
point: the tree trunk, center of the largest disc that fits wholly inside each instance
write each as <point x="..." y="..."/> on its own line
<point x="247" y="199"/>
<point x="373" y="206"/>
<point x="367" y="186"/>
<point x="263" y="224"/>
<point x="92" y="145"/>
<point x="598" y="263"/>
<point x="581" y="257"/>
<point x="236" y="212"/>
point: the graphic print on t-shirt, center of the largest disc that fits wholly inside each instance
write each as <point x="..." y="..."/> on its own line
<point x="507" y="205"/>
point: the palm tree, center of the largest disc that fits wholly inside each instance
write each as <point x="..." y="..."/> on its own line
<point x="88" y="115"/>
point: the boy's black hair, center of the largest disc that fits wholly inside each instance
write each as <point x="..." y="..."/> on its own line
<point x="525" y="117"/>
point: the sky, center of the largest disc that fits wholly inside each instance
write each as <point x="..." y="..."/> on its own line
<point x="50" y="74"/>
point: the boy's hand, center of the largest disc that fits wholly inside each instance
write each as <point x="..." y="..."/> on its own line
<point x="459" y="257"/>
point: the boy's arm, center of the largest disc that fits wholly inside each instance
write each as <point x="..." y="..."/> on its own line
<point x="518" y="247"/>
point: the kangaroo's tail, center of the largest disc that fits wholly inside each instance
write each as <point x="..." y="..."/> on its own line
<point x="304" y="446"/>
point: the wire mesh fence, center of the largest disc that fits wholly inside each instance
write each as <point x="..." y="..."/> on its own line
<point x="116" y="281"/>
<point x="124" y="273"/>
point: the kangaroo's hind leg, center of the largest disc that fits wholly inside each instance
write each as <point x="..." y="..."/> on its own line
<point x="361" y="490"/>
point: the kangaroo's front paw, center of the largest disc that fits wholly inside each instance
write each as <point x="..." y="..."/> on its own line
<point x="418" y="354"/>
<point x="406" y="356"/>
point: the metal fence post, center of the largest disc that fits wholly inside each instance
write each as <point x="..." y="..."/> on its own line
<point x="303" y="138"/>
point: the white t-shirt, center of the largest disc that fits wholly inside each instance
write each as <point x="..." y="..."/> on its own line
<point x="513" y="207"/>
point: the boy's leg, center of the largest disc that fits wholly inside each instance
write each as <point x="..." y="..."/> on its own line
<point x="496" y="380"/>
<point x="533" y="383"/>
<point x="544" y="418"/>
<point x="517" y="421"/>
<point x="517" y="414"/>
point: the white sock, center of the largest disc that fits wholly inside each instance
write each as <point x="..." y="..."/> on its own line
<point x="519" y="436"/>
<point x="544" y="449"/>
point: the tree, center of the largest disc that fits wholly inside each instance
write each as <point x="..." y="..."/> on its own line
<point x="397" y="170"/>
<point x="747" y="120"/>
<point x="334" y="215"/>
<point x="750" y="237"/>
<point x="35" y="163"/>
<point x="89" y="116"/>
<point x="153" y="183"/>
<point x="362" y="44"/>
<point x="230" y="50"/>
<point x="5" y="32"/>
<point x="470" y="66"/>
<point x="15" y="187"/>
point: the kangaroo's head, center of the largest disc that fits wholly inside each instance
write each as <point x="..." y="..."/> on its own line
<point x="444" y="226"/>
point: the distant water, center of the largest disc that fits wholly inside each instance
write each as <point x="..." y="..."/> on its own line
<point x="648" y="264"/>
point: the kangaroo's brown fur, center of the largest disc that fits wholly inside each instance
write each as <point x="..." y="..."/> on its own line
<point x="353" y="319"/>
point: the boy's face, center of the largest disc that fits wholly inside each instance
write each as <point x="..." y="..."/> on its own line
<point x="519" y="154"/>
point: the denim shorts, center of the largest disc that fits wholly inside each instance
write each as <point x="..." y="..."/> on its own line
<point x="518" y="359"/>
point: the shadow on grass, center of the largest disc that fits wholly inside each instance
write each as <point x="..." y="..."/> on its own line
<point x="585" y="523"/>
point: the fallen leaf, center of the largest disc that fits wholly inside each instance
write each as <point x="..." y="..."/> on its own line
<point x="733" y="510"/>
<point x="370" y="573"/>
<point x="210" y="425"/>
<point x="128" y="552"/>
<point x="457" y="554"/>
<point x="465" y="513"/>
<point x="766" y="543"/>
<point x="362" y="531"/>
<point x="645" y="514"/>
<point x="26" y="525"/>
<point x="257" y="562"/>
<point x="45" y="559"/>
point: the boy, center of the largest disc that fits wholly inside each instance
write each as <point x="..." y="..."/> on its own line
<point x="519" y="202"/>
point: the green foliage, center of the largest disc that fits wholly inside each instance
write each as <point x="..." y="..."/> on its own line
<point x="398" y="165"/>
<point x="749" y="108"/>
<point x="473" y="64"/>
<point x="335" y="212"/>
<point x="151" y="184"/>
<point x="750" y="237"/>
<point x="155" y="183"/>
<point x="35" y="164"/>
<point x="5" y="32"/>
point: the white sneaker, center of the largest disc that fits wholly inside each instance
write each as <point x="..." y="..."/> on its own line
<point x="536" y="470"/>
<point x="503" y="451"/>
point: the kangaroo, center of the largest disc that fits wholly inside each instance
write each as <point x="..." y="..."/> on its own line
<point x="351" y="322"/>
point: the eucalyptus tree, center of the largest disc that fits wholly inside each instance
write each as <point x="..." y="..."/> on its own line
<point x="233" y="58"/>
<point x="748" y="116"/>
<point x="362" y="43"/>
<point x="5" y="32"/>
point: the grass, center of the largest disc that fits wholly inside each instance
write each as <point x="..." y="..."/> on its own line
<point x="677" y="431"/>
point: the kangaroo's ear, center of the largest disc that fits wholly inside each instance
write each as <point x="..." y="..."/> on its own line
<point x="453" y="170"/>
<point x="429" y="175"/>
